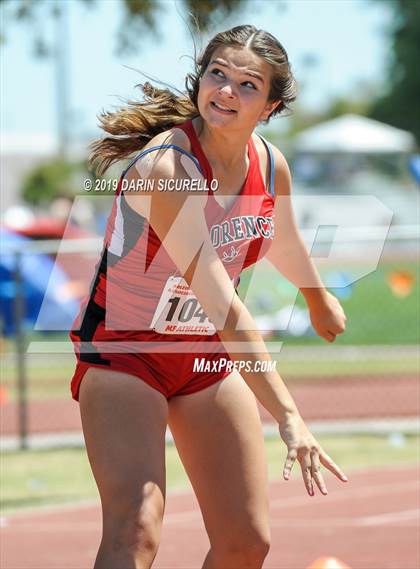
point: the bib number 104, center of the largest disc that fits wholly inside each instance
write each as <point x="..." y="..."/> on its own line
<point x="188" y="309"/>
<point x="179" y="312"/>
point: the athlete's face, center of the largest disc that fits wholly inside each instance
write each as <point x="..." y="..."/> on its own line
<point x="234" y="89"/>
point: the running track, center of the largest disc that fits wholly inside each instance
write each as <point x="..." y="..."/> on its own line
<point x="372" y="522"/>
<point x="344" y="398"/>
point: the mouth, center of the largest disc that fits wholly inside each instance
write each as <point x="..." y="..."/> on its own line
<point x="222" y="109"/>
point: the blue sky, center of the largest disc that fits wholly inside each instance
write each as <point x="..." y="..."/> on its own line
<point x="347" y="37"/>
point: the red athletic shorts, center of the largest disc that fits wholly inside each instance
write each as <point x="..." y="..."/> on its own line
<point x="170" y="373"/>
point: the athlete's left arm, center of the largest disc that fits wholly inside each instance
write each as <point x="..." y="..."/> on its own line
<point x="290" y="255"/>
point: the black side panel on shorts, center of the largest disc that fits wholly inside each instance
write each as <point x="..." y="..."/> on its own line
<point x="93" y="316"/>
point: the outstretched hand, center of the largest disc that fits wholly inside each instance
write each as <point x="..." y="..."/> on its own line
<point x="327" y="317"/>
<point x="304" y="448"/>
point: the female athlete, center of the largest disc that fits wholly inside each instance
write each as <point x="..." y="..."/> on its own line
<point x="163" y="333"/>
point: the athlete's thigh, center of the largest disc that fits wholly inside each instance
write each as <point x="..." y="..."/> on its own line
<point x="124" y="422"/>
<point x="219" y="437"/>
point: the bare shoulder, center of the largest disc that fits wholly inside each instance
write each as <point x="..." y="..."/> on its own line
<point x="162" y="161"/>
<point x="173" y="135"/>
<point x="159" y="168"/>
<point x="282" y="179"/>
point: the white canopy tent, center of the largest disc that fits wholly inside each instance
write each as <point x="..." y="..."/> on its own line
<point x="354" y="134"/>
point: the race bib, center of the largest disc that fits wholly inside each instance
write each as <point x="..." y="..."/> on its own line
<point x="179" y="312"/>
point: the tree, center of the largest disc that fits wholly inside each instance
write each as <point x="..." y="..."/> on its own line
<point x="51" y="179"/>
<point x="139" y="17"/>
<point x="400" y="104"/>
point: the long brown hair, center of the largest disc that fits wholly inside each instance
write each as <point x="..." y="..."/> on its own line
<point x="131" y="127"/>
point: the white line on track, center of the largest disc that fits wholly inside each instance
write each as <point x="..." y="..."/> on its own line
<point x="78" y="505"/>
<point x="391" y="518"/>
<point x="336" y="495"/>
<point x="342" y="493"/>
<point x="405" y="518"/>
<point x="339" y="494"/>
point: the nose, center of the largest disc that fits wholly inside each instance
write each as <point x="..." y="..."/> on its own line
<point x="227" y="91"/>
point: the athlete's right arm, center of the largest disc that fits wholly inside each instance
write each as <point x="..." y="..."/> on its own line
<point x="178" y="219"/>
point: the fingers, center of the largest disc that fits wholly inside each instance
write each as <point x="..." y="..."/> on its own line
<point x="311" y="471"/>
<point x="328" y="462"/>
<point x="316" y="472"/>
<point x="329" y="336"/>
<point x="310" y="463"/>
<point x="288" y="465"/>
<point x="339" y="326"/>
<point x="306" y="467"/>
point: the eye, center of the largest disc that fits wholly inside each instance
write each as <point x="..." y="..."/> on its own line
<point x="215" y="71"/>
<point x="249" y="83"/>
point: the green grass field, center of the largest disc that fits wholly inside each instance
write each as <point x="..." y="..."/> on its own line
<point x="374" y="314"/>
<point x="35" y="478"/>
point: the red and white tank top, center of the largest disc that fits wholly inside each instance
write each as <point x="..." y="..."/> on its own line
<point x="136" y="281"/>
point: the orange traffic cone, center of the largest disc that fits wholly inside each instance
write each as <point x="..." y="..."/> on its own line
<point x="327" y="563"/>
<point x="401" y="283"/>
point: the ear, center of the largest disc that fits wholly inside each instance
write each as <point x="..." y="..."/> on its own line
<point x="268" y="109"/>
